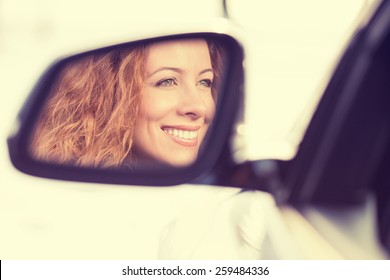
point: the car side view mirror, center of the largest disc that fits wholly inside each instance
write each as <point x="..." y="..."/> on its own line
<point x="155" y="111"/>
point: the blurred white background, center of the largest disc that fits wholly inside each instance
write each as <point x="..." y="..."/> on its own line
<point x="291" y="49"/>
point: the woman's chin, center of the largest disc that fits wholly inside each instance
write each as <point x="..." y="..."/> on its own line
<point x="174" y="160"/>
<point x="179" y="159"/>
<point x="181" y="162"/>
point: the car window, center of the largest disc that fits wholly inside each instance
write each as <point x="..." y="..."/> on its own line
<point x="292" y="49"/>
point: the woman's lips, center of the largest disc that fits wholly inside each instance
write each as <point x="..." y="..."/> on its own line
<point x="186" y="136"/>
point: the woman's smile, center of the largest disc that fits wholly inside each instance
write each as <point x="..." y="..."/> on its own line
<point x="186" y="136"/>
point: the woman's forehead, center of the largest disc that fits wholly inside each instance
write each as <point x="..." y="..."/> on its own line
<point x="178" y="53"/>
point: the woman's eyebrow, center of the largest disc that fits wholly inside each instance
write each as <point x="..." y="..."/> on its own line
<point x="206" y="70"/>
<point x="178" y="70"/>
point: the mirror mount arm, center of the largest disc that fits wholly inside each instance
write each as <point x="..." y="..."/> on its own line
<point x="262" y="175"/>
<point x="267" y="174"/>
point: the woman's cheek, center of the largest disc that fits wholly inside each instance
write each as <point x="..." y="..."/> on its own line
<point x="210" y="109"/>
<point x="156" y="104"/>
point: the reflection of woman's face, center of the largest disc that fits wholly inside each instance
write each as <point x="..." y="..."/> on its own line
<point x="177" y="106"/>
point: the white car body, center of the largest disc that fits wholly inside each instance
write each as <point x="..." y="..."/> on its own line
<point x="48" y="219"/>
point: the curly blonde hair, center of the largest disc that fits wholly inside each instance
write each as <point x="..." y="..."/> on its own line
<point x="90" y="115"/>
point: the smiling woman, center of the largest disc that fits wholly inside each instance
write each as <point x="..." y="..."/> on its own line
<point x="148" y="105"/>
<point x="177" y="105"/>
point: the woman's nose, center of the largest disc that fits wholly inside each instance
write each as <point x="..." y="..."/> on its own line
<point x="192" y="103"/>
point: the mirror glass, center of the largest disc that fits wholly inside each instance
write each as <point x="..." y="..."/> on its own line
<point x="146" y="104"/>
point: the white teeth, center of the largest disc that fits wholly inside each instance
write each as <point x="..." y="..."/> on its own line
<point x="184" y="134"/>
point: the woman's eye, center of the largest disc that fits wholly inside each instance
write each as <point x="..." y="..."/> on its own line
<point x="206" y="83"/>
<point x="167" y="82"/>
